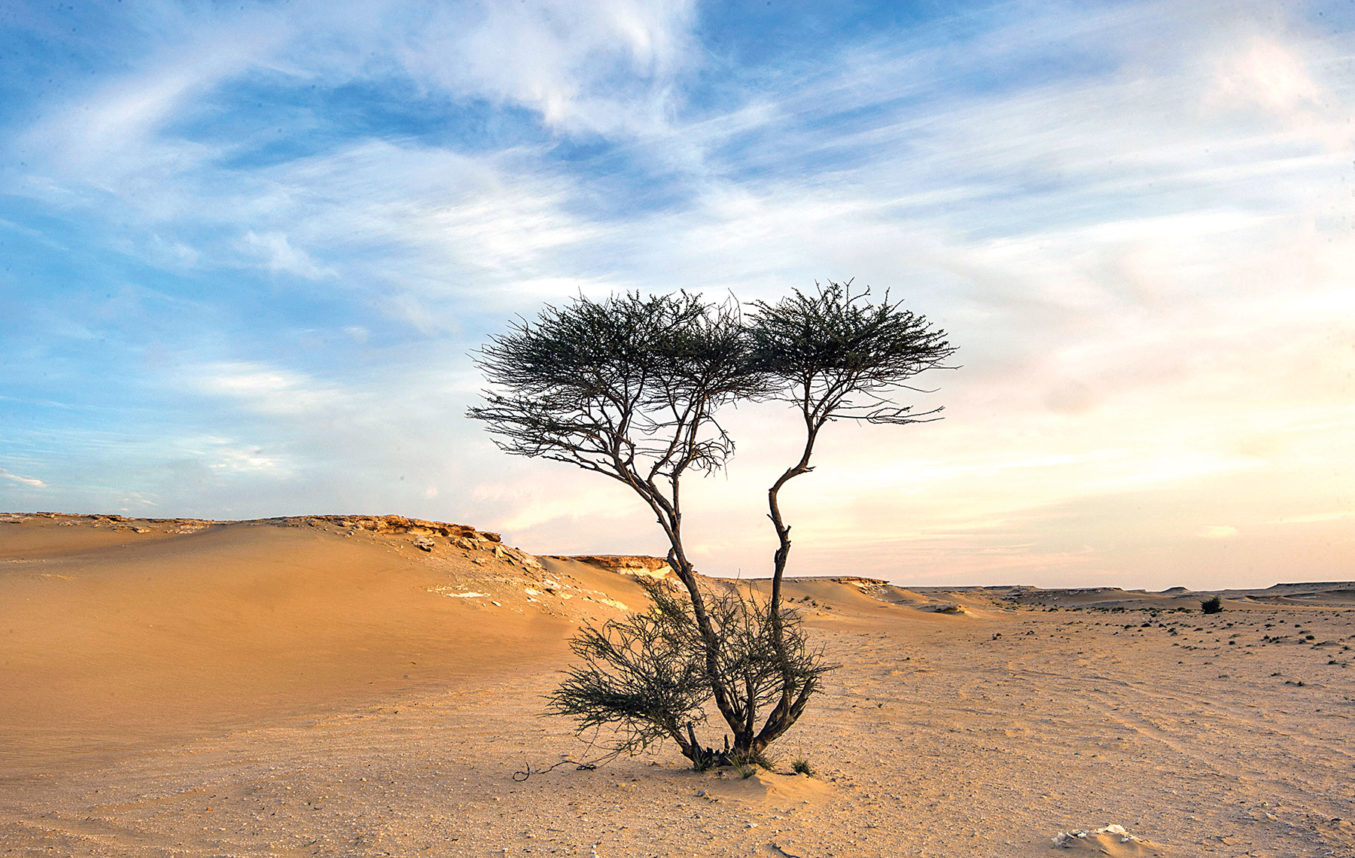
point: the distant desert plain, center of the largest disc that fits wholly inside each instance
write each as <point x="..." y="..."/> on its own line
<point x="368" y="686"/>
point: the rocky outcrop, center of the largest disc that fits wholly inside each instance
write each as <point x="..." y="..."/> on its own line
<point x="426" y="535"/>
<point x="117" y="523"/>
<point x="859" y="581"/>
<point x="625" y="564"/>
<point x="400" y="524"/>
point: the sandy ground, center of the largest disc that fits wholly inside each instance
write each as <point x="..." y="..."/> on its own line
<point x="361" y="687"/>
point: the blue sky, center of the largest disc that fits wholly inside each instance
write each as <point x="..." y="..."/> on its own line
<point x="247" y="249"/>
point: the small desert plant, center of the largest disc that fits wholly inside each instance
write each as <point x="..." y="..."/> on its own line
<point x="759" y="759"/>
<point x="803" y="767"/>
<point x="1212" y="606"/>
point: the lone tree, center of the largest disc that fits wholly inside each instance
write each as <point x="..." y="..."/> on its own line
<point x="630" y="387"/>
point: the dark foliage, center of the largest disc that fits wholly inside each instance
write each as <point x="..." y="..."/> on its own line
<point x="1212" y="605"/>
<point x="642" y="674"/>
<point x="835" y="355"/>
<point x="645" y="674"/>
<point x="627" y="387"/>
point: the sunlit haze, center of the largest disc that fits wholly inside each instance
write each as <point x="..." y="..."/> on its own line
<point x="248" y="249"/>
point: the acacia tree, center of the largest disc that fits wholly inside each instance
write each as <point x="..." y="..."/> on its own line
<point x="629" y="387"/>
<point x="832" y="355"/>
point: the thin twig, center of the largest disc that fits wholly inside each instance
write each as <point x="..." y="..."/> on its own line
<point x="522" y="774"/>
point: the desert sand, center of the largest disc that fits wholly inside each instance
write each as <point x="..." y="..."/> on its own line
<point x="366" y="686"/>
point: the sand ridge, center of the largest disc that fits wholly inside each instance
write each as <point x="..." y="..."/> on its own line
<point x="147" y="628"/>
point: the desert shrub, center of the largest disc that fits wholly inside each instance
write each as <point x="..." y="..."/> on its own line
<point x="802" y="766"/>
<point x="645" y="675"/>
<point x="1212" y="605"/>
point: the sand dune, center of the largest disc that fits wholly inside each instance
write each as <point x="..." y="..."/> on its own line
<point x="118" y="632"/>
<point x="369" y="686"/>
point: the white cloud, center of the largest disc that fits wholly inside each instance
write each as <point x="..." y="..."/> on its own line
<point x="595" y="67"/>
<point x="114" y="139"/>
<point x="31" y="482"/>
<point x="278" y="255"/>
<point x="137" y="503"/>
<point x="245" y="460"/>
<point x="266" y="389"/>
<point x="1267" y="73"/>
<point x="419" y="231"/>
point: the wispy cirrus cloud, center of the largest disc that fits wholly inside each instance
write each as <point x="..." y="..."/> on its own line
<point x="277" y="252"/>
<point x="1141" y="243"/>
<point x="266" y="389"/>
<point x="30" y="482"/>
<point x="600" y="68"/>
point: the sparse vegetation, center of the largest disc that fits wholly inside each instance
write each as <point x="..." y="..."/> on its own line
<point x="762" y="761"/>
<point x="1212" y="605"/>
<point x="645" y="674"/>
<point x="802" y="767"/>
